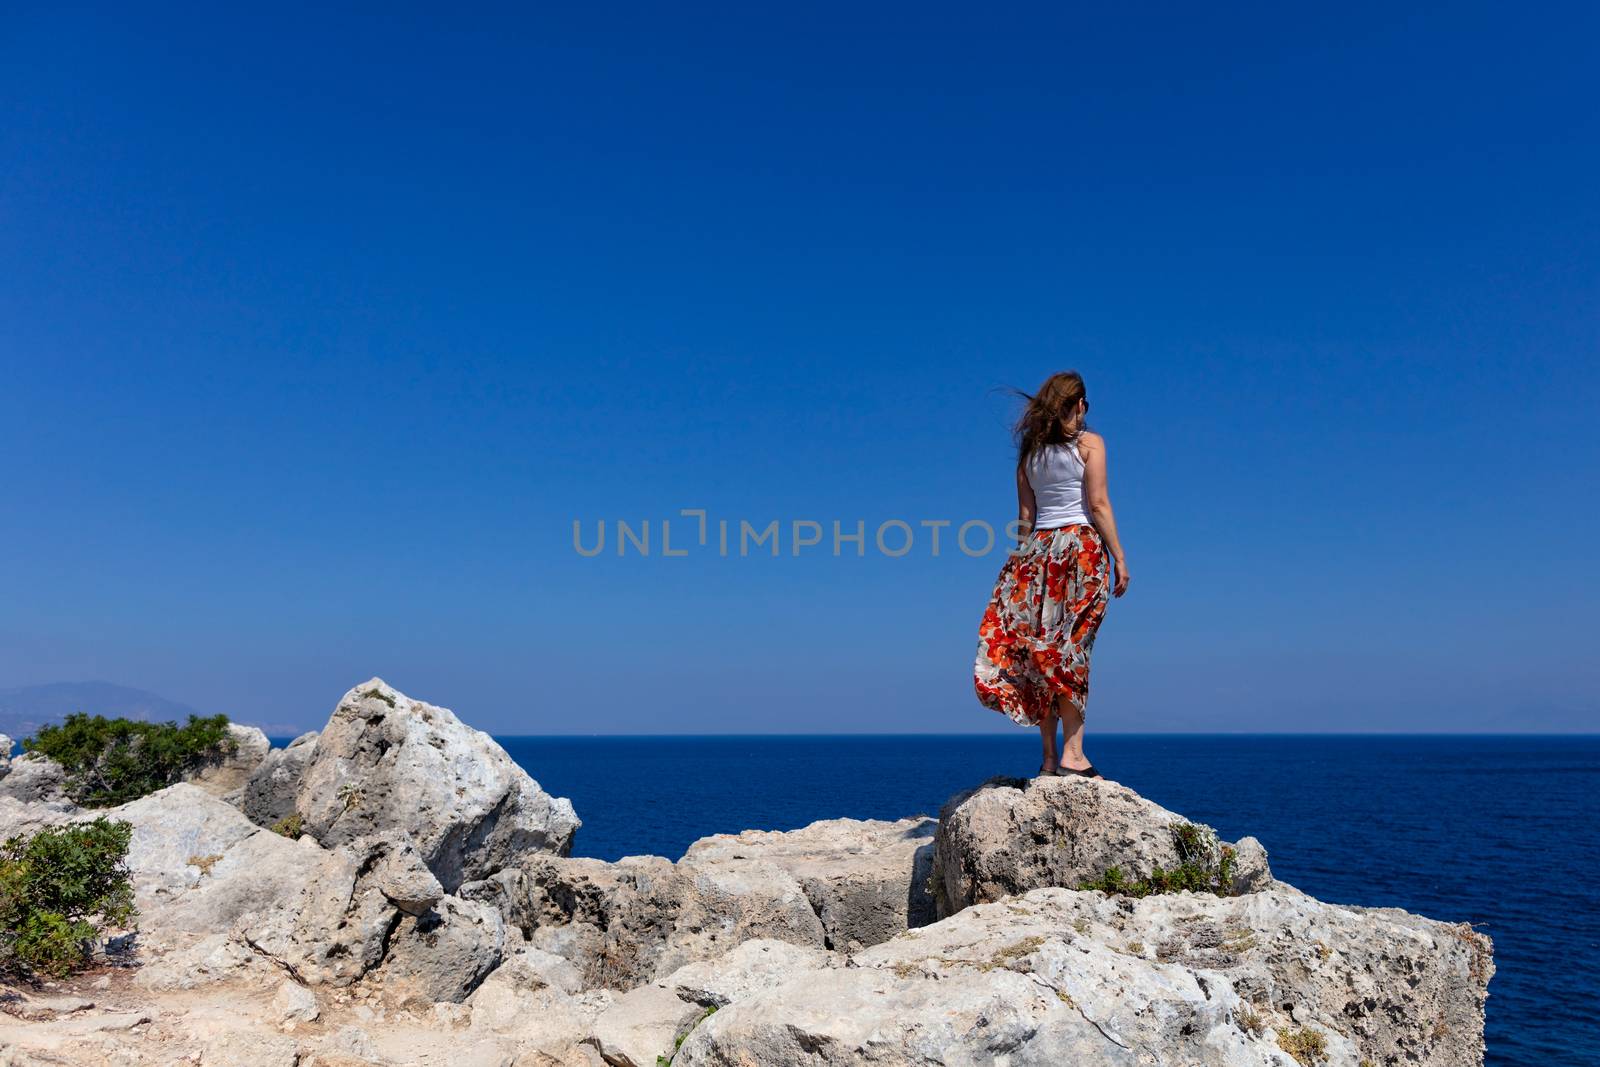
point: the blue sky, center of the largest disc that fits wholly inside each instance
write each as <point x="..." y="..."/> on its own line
<point x="318" y="330"/>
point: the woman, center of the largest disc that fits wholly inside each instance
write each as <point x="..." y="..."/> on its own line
<point x="1037" y="634"/>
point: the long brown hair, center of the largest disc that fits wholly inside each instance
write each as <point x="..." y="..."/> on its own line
<point x="1050" y="415"/>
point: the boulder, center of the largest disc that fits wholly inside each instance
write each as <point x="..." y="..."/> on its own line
<point x="5" y="754"/>
<point x="1006" y="982"/>
<point x="269" y="795"/>
<point x="187" y="878"/>
<point x="387" y="762"/>
<point x="1399" y="987"/>
<point x="442" y="954"/>
<point x="643" y="1026"/>
<point x="867" y="879"/>
<point x="224" y="771"/>
<point x="34" y="779"/>
<point x="391" y="865"/>
<point x="746" y="969"/>
<point x="333" y="929"/>
<point x="534" y="999"/>
<point x="642" y="917"/>
<point x="1010" y="835"/>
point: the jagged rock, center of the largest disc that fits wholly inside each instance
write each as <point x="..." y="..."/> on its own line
<point x="1010" y="835"/>
<point x="747" y="968"/>
<point x="641" y="1025"/>
<point x="385" y="761"/>
<point x="1251" y="874"/>
<point x="443" y="953"/>
<point x="333" y="931"/>
<point x="1401" y="988"/>
<point x="5" y="754"/>
<point x="611" y="920"/>
<point x="867" y="879"/>
<point x="217" y="957"/>
<point x="729" y="901"/>
<point x="198" y="866"/>
<point x="222" y="772"/>
<point x="269" y="794"/>
<point x="643" y="917"/>
<point x="1003" y="982"/>
<point x="391" y="865"/>
<point x="34" y="779"/>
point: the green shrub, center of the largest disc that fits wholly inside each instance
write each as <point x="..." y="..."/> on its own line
<point x="1196" y="873"/>
<point x="112" y="761"/>
<point x="290" y="825"/>
<point x="56" y="887"/>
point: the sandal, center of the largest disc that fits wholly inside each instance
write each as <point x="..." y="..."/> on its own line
<point x="1042" y="773"/>
<point x="1087" y="772"/>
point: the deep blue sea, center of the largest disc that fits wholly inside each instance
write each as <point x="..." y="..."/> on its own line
<point x="1502" y="832"/>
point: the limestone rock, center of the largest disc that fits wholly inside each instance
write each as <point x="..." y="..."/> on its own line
<point x="867" y="879"/>
<point x="385" y="761"/>
<point x="223" y="771"/>
<point x="19" y="819"/>
<point x="1010" y="835"/>
<point x="390" y="864"/>
<point x="5" y="754"/>
<point x="216" y="957"/>
<point x="1003" y="982"/>
<point x="726" y="902"/>
<point x="181" y="836"/>
<point x="34" y="779"/>
<point x="1251" y="874"/>
<point x="443" y="953"/>
<point x="269" y="794"/>
<point x="642" y="917"/>
<point x="746" y="969"/>
<point x="333" y="929"/>
<point x="1401" y="988"/>
<point x="294" y="1003"/>
<point x="641" y="1025"/>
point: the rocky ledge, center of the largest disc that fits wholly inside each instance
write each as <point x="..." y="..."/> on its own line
<point x="395" y="890"/>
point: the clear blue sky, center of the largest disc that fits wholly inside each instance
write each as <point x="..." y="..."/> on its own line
<point x="319" y="329"/>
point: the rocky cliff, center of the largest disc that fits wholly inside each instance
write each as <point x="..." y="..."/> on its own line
<point x="395" y="890"/>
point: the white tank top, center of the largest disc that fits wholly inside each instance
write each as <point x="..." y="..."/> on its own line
<point x="1056" y="474"/>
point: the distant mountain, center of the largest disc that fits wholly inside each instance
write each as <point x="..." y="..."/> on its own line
<point x="25" y="709"/>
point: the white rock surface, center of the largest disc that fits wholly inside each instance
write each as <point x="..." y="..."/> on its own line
<point x="1010" y="835"/>
<point x="867" y="879"/>
<point x="387" y="762"/>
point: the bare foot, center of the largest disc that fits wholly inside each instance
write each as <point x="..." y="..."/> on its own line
<point x="1078" y="763"/>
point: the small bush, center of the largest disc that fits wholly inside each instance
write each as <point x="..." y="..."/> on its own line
<point x="54" y="886"/>
<point x="290" y="825"/>
<point x="1197" y="873"/>
<point x="1305" y="1045"/>
<point x="113" y="761"/>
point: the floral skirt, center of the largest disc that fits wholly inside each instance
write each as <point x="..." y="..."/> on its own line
<point x="1037" y="633"/>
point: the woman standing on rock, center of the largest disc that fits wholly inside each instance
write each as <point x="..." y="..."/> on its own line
<point x="1039" y="629"/>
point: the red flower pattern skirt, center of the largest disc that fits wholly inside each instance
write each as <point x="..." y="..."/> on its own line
<point x="1038" y="631"/>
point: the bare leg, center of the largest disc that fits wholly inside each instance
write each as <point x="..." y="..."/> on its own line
<point x="1047" y="738"/>
<point x="1071" y="735"/>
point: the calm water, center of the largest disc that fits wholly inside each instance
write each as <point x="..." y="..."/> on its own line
<point x="1496" y="831"/>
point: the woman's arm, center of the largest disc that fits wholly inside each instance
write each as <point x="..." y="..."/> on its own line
<point x="1092" y="448"/>
<point x="1025" y="506"/>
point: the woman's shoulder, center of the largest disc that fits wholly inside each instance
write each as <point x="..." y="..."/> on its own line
<point x="1090" y="440"/>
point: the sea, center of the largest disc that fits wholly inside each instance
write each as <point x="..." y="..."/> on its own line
<point x="1500" y="832"/>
